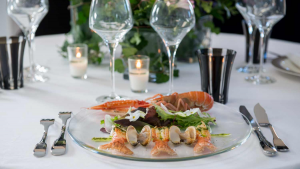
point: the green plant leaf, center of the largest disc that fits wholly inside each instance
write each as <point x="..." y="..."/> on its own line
<point x="161" y="78"/>
<point x="176" y="73"/>
<point x="207" y="6"/>
<point x="211" y="25"/>
<point x="129" y="51"/>
<point x="65" y="46"/>
<point x="197" y="12"/>
<point x="119" y="66"/>
<point x="81" y="18"/>
<point x="136" y="39"/>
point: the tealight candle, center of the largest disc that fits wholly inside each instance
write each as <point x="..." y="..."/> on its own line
<point x="138" y="73"/>
<point x="78" y="60"/>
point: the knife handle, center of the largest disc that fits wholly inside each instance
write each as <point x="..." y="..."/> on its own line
<point x="268" y="148"/>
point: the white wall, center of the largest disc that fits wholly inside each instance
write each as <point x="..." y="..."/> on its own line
<point x="7" y="25"/>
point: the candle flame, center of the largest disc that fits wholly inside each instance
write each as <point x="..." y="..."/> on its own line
<point x="138" y="64"/>
<point x="78" y="55"/>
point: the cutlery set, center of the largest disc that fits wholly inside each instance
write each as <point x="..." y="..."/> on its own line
<point x="263" y="121"/>
<point x="59" y="145"/>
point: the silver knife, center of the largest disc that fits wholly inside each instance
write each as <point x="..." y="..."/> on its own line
<point x="267" y="147"/>
<point x="263" y="121"/>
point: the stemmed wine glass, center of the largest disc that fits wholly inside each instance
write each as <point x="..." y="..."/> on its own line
<point x="111" y="19"/>
<point x="28" y="14"/>
<point x="242" y="8"/>
<point x="265" y="14"/>
<point x="172" y="20"/>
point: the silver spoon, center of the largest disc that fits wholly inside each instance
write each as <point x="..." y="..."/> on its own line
<point x="59" y="145"/>
<point x="41" y="147"/>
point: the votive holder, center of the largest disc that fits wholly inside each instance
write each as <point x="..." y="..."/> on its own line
<point x="138" y="67"/>
<point x="78" y="59"/>
<point x="215" y="70"/>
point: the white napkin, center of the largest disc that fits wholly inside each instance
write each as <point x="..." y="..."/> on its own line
<point x="295" y="58"/>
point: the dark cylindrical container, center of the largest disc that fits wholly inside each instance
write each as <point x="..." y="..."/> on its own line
<point x="11" y="62"/>
<point x="256" y="41"/>
<point x="215" y="69"/>
<point x="248" y="39"/>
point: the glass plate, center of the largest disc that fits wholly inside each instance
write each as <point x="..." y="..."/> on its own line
<point x="86" y="124"/>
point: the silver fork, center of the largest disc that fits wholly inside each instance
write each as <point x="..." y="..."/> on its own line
<point x="41" y="147"/>
<point x="59" y="145"/>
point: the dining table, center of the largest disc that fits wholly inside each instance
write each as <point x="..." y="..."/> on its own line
<point x="21" y="110"/>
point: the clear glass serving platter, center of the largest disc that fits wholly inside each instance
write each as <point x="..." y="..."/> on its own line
<point x="86" y="124"/>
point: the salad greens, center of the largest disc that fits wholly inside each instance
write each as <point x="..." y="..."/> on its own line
<point x="157" y="116"/>
<point x="184" y="122"/>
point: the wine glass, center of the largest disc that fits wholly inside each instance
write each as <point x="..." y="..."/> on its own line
<point x="111" y="20"/>
<point x="28" y="14"/>
<point x="172" y="20"/>
<point x="265" y="14"/>
<point x="242" y="8"/>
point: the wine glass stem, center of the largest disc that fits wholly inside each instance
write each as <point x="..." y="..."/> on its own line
<point x="263" y="38"/>
<point x="251" y="43"/>
<point x="30" y="38"/>
<point x="112" y="49"/>
<point x="171" y="53"/>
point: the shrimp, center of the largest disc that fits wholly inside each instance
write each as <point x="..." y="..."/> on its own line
<point x="118" y="143"/>
<point x="203" y="139"/>
<point x="161" y="137"/>
<point x="176" y="102"/>
<point x="121" y="105"/>
<point x="185" y="101"/>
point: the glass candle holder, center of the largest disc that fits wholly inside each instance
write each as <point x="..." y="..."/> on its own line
<point x="78" y="59"/>
<point x="138" y="73"/>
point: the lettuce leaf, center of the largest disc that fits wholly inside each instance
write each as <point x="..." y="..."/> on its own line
<point x="162" y="114"/>
<point x="183" y="122"/>
<point x="193" y="120"/>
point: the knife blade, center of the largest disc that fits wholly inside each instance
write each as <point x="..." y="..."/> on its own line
<point x="261" y="115"/>
<point x="267" y="147"/>
<point x="262" y="118"/>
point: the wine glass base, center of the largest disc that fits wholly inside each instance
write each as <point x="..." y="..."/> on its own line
<point x="107" y="98"/>
<point x="38" y="68"/>
<point x="35" y="78"/>
<point x="260" y="79"/>
<point x="248" y="69"/>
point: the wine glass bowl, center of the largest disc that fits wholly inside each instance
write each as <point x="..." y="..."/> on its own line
<point x="111" y="20"/>
<point x="172" y="20"/>
<point x="265" y="14"/>
<point x="242" y="8"/>
<point x="28" y="14"/>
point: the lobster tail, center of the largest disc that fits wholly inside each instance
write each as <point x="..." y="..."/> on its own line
<point x="202" y="100"/>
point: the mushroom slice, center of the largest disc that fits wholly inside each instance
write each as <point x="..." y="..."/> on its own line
<point x="145" y="136"/>
<point x="189" y="136"/>
<point x="174" y="134"/>
<point x="132" y="135"/>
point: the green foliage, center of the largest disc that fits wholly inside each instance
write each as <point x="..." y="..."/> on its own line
<point x="82" y="34"/>
<point x="217" y="8"/>
<point x="184" y="122"/>
<point x="141" y="11"/>
<point x="211" y="25"/>
<point x="134" y="44"/>
<point x="207" y="6"/>
<point x="119" y="67"/>
<point x="136" y="39"/>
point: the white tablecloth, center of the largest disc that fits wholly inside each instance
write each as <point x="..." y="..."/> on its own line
<point x="21" y="110"/>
